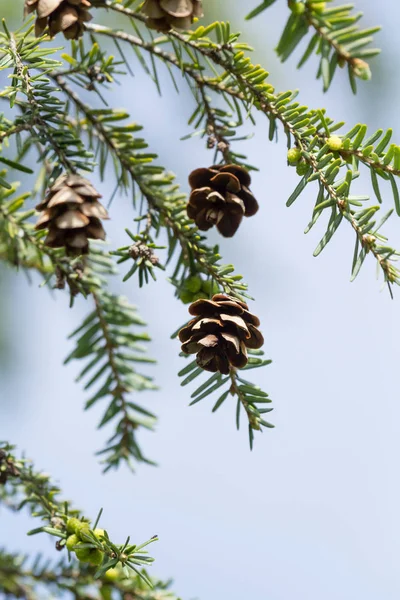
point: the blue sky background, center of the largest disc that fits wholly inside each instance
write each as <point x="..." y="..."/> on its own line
<point x="313" y="511"/>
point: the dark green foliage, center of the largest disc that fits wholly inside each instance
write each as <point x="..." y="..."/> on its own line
<point x="109" y="341"/>
<point x="335" y="38"/>
<point x="21" y="486"/>
<point x="247" y="395"/>
<point x="47" y="119"/>
<point x="40" y="580"/>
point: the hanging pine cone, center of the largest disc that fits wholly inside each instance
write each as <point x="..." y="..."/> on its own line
<point x="164" y="15"/>
<point x="72" y="213"/>
<point x="220" y="333"/>
<point x="220" y="196"/>
<point x="66" y="16"/>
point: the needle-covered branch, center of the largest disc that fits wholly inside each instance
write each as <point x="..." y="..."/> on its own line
<point x="158" y="189"/>
<point x="36" y="578"/>
<point x="335" y="38"/>
<point x="306" y="129"/>
<point x="112" y="346"/>
<point x="22" y="486"/>
<point x="42" y="110"/>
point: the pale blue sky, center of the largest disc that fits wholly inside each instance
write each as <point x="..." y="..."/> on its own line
<point x="313" y="512"/>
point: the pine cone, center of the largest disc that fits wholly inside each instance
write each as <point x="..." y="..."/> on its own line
<point x="72" y="213"/>
<point x="67" y="16"/>
<point x="220" y="196"/>
<point x="220" y="333"/>
<point x="164" y="15"/>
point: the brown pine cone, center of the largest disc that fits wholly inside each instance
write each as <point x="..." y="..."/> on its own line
<point x="66" y="16"/>
<point x="220" y="196"/>
<point x="164" y="15"/>
<point x="72" y="213"/>
<point x="220" y="333"/>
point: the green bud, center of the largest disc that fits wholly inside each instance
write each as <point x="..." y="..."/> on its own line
<point x="200" y="296"/>
<point x="186" y="297"/>
<point x="96" y="557"/>
<point x="302" y="168"/>
<point x="89" y="555"/>
<point x="82" y="528"/>
<point x="99" y="533"/>
<point x="193" y="284"/>
<point x="73" y="524"/>
<point x="83" y="554"/>
<point x="297" y="8"/>
<point x="361" y="69"/>
<point x="72" y="541"/>
<point x="210" y="287"/>
<point x="293" y="156"/>
<point x="334" y="143"/>
<point x="112" y="574"/>
<point x="317" y="7"/>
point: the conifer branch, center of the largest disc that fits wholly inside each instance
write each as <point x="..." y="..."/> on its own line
<point x="337" y="39"/>
<point x="30" y="579"/>
<point x="171" y="205"/>
<point x="306" y="128"/>
<point x="34" y="113"/>
<point x="21" y="485"/>
<point x="113" y="347"/>
<point x="247" y="394"/>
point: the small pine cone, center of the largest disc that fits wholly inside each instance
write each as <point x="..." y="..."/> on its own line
<point x="220" y="333"/>
<point x="220" y="196"/>
<point x="164" y="15"/>
<point x="71" y="212"/>
<point x="66" y="16"/>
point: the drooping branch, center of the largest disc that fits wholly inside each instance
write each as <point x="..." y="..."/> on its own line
<point x="305" y="128"/>
<point x="21" y="485"/>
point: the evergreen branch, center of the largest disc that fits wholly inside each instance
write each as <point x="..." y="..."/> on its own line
<point x="336" y="38"/>
<point x="107" y="339"/>
<point x="213" y="129"/>
<point x="244" y="81"/>
<point x="162" y="197"/>
<point x="150" y="47"/>
<point x="42" y="110"/>
<point x="11" y="129"/>
<point x="387" y="160"/>
<point x="21" y="485"/>
<point x="141" y="252"/>
<point x="247" y="394"/>
<point x="24" y="578"/>
<point x="21" y="246"/>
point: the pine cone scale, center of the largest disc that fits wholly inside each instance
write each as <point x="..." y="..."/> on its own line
<point x="177" y="8"/>
<point x="65" y="195"/>
<point x="71" y="219"/>
<point x="166" y="14"/>
<point x="46" y="7"/>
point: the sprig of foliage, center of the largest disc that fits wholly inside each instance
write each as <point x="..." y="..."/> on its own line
<point x="244" y="83"/>
<point x="141" y="252"/>
<point x="105" y="338"/>
<point x="39" y="579"/>
<point x="109" y="342"/>
<point x="157" y="188"/>
<point x="21" y="485"/>
<point x="42" y="110"/>
<point x="248" y="395"/>
<point x="336" y="38"/>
